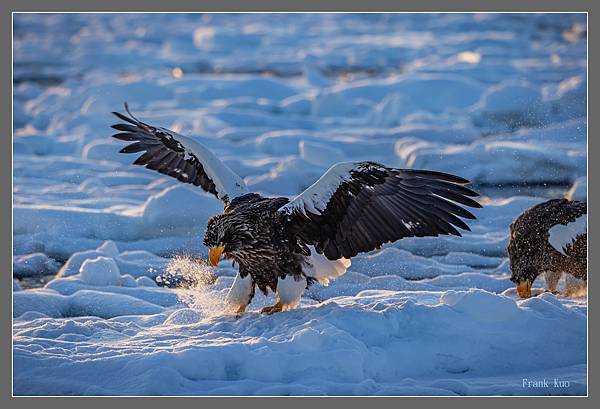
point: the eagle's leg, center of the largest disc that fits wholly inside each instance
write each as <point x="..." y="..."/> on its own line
<point x="289" y="291"/>
<point x="574" y="286"/>
<point x="552" y="278"/>
<point x="240" y="294"/>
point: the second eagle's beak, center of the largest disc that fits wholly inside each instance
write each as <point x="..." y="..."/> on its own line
<point x="215" y="255"/>
<point x="524" y="288"/>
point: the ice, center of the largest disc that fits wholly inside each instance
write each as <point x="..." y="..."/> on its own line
<point x="34" y="264"/>
<point x="319" y="154"/>
<point x="47" y="302"/>
<point x="111" y="292"/>
<point x="405" y="264"/>
<point x="100" y="271"/>
<point x="511" y="105"/>
<point x="136" y="263"/>
<point x="361" y="339"/>
<point x="16" y="286"/>
<point x="145" y="282"/>
<point x="172" y="212"/>
<point x="178" y="206"/>
<point x="482" y="305"/>
<point x="518" y="160"/>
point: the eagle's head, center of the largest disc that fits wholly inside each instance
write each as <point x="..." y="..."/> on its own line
<point x="524" y="278"/>
<point x="526" y="257"/>
<point x="223" y="238"/>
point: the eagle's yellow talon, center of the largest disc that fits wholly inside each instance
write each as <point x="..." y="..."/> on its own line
<point x="239" y="311"/>
<point x="273" y="308"/>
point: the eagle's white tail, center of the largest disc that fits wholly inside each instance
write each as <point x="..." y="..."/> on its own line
<point x="322" y="269"/>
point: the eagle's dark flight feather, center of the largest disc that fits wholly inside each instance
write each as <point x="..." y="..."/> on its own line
<point x="178" y="156"/>
<point x="373" y="204"/>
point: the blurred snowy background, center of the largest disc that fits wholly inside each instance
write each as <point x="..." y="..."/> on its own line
<point x="497" y="98"/>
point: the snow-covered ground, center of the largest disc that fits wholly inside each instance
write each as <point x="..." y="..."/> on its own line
<point x="498" y="99"/>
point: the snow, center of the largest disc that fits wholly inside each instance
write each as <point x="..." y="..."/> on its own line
<point x="499" y="99"/>
<point x="519" y="160"/>
<point x="563" y="234"/>
<point x="101" y="271"/>
<point x="361" y="339"/>
<point x="34" y="264"/>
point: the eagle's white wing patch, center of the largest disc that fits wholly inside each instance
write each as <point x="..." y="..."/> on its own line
<point x="178" y="156"/>
<point x="316" y="197"/>
<point x="227" y="183"/>
<point x="561" y="234"/>
<point x="323" y="269"/>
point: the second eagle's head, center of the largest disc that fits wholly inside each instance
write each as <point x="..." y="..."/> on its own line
<point x="526" y="257"/>
<point x="223" y="238"/>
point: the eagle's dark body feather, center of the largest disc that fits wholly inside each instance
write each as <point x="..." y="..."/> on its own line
<point x="354" y="207"/>
<point x="257" y="240"/>
<point x="530" y="250"/>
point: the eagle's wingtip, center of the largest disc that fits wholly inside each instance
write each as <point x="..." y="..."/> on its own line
<point x="130" y="114"/>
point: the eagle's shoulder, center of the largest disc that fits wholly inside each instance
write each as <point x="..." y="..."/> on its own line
<point x="254" y="200"/>
<point x="545" y="215"/>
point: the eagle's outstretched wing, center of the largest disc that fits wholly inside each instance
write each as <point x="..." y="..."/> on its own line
<point x="178" y="156"/>
<point x="358" y="206"/>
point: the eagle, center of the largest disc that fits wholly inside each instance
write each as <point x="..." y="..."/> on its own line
<point x="550" y="238"/>
<point x="286" y="245"/>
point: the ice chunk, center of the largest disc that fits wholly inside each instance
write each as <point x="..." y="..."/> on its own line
<point x="179" y="208"/>
<point x="109" y="247"/>
<point x="35" y="264"/>
<point x="100" y="271"/>
<point x="481" y="305"/>
<point x="145" y="282"/>
<point x="320" y="154"/>
<point x="109" y="305"/>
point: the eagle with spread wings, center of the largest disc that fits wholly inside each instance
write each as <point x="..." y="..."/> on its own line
<point x="285" y="245"/>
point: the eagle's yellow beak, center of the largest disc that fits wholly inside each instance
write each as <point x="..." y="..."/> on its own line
<point x="524" y="288"/>
<point x="215" y="255"/>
